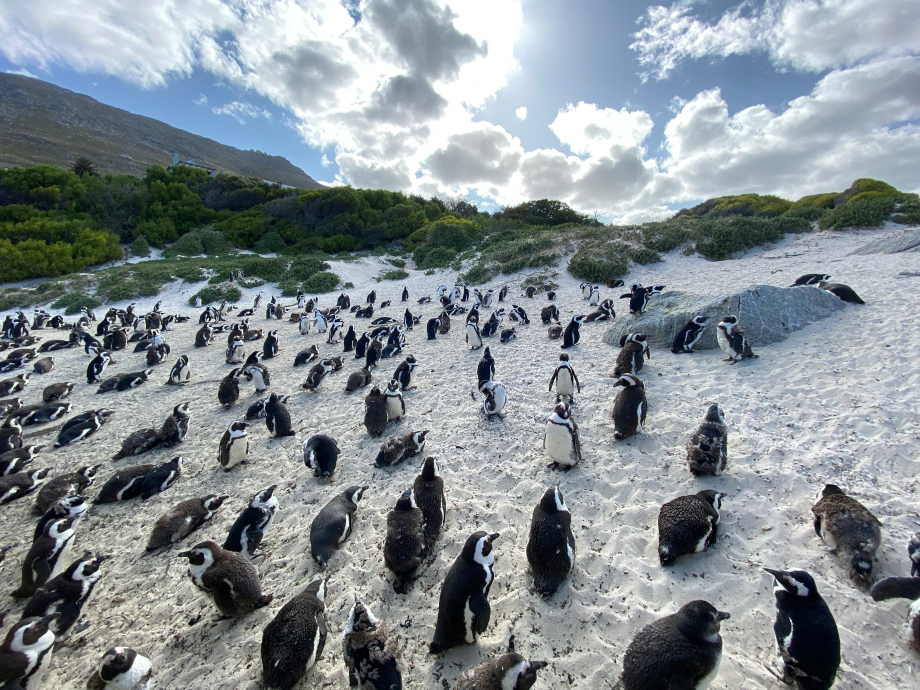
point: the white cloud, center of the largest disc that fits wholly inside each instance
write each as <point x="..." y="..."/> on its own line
<point x="240" y="110"/>
<point x="23" y="72"/>
<point x="589" y="130"/>
<point x="201" y="100"/>
<point x="807" y="35"/>
<point x="521" y="113"/>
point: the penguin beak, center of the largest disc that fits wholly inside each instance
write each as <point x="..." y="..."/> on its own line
<point x="722" y="616"/>
<point x="185" y="554"/>
<point x="493" y="537"/>
<point x="777" y="574"/>
<point x="537" y="665"/>
<point x="46" y="620"/>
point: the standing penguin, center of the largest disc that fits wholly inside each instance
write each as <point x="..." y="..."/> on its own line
<point x="688" y="525"/>
<point x="370" y="653"/>
<point x="350" y="340"/>
<point x="97" y="366"/>
<point x="180" y="373"/>
<point x="689" y="335"/>
<point x="638" y="299"/>
<point x="807" y="640"/>
<point x="396" y="406"/>
<point x="374" y="352"/>
<point x="682" y="650"/>
<point x="250" y="527"/>
<point x="463" y="607"/>
<point x="234" y="445"/>
<point x="506" y="672"/>
<point x="732" y="341"/>
<point x="294" y="640"/>
<point x="277" y="417"/>
<point x="595" y="298"/>
<point x="333" y="524"/>
<point x="183" y="519"/>
<point x="433" y="326"/>
<point x="485" y="370"/>
<point x="404" y="545"/>
<point x="428" y="492"/>
<point x="551" y="545"/>
<point x="304" y="324"/>
<point x="565" y="379"/>
<point x="405" y="372"/>
<point x="236" y="351"/>
<point x="229" y="391"/>
<point x="586" y="290"/>
<point x="227" y="578"/>
<point x="473" y="337"/>
<point x="65" y="594"/>
<point x="405" y="294"/>
<point x="375" y="412"/>
<point x="270" y="347"/>
<point x="572" y="333"/>
<point x="26" y="653"/>
<point x="122" y="668"/>
<point x="361" y="345"/>
<point x="707" y="449"/>
<point x="630" y="407"/>
<point x="851" y="531"/>
<point x="634" y="351"/>
<point x="320" y="454"/>
<point x="47" y="556"/>
<point x="561" y="440"/>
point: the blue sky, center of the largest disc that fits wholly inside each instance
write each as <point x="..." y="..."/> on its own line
<point x="632" y="109"/>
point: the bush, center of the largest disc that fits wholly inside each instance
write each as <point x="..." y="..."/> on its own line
<point x="869" y="212"/>
<point x="321" y="282"/>
<point x="435" y="257"/>
<point x="809" y="213"/>
<point x="139" y="246"/>
<point x="72" y="301"/>
<point x="397" y="274"/>
<point x="269" y="243"/>
<point x="214" y="294"/>
<point x="645" y="256"/>
<point x="399" y="263"/>
<point x="598" y="266"/>
<point x="909" y="211"/>
<point x="304" y="267"/>
<point x="665" y="236"/>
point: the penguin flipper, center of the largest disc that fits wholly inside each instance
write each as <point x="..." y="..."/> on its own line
<point x="253" y="540"/>
<point x="479" y="606"/>
<point x="222" y="591"/>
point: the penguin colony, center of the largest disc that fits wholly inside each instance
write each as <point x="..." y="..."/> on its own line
<point x="680" y="650"/>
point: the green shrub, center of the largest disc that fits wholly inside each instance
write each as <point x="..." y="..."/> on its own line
<point x="645" y="256"/>
<point x="597" y="266"/>
<point x="72" y="301"/>
<point x="348" y="286"/>
<point x="187" y="245"/>
<point x="909" y="211"/>
<point x="269" y="243"/>
<point x="397" y="274"/>
<point x="479" y="274"/>
<point x="809" y="213"/>
<point x="139" y="246"/>
<point x="321" y="282"/>
<point x="435" y="257"/>
<point x="665" y="236"/>
<point x="399" y="263"/>
<point x="214" y="294"/>
<point x="869" y="212"/>
<point x="303" y="267"/>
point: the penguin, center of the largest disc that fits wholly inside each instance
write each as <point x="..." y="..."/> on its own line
<point x="405" y="372"/>
<point x="97" y="366"/>
<point x="158" y="354"/>
<point x="26" y="653"/>
<point x="52" y="345"/>
<point x="82" y="426"/>
<point x="614" y="283"/>
<point x="10" y="405"/>
<point x="375" y="412"/>
<point x="586" y="289"/>
<point x="294" y="640"/>
<point x="433" y="326"/>
<point x="549" y="314"/>
<point x="161" y="477"/>
<point x="110" y="384"/>
<point x="43" y="365"/>
<point x="810" y="279"/>
<point x="67" y="507"/>
<point x="404" y="546"/>
<point x="321" y="454"/>
<point x="306" y="356"/>
<point x="250" y="527"/>
<point x="506" y="672"/>
<point x="11" y="435"/>
<point x="466" y="294"/>
<point x="133" y="379"/>
<point x="374" y="352"/>
<point x="183" y="519"/>
<point x="551" y="545"/>
<point x="496" y="398"/>
<point x="371" y="654"/>
<point x="707" y="449"/>
<point x="851" y="531"/>
<point x="315" y="378"/>
<point x="689" y="335"/>
<point x="572" y="333"/>
<point x="277" y="417"/>
<point x="12" y="364"/>
<point x="463" y="606"/>
<point x="49" y="412"/>
<point x="64" y="485"/>
<point x="180" y="373"/>
<point x="358" y="379"/>
<point x="732" y="341"/>
<point x="396" y="406"/>
<point x="844" y="292"/>
<point x="333" y="524"/>
<point x="905" y="588"/>
<point x="122" y="668"/>
<point x="473" y="337"/>
<point x="258" y="374"/>
<point x="227" y="578"/>
<point x="372" y="297"/>
<point x="518" y="314"/>
<point x="634" y="350"/>
<point x="485" y="370"/>
<point x="47" y="556"/>
<point x="204" y="336"/>
<point x="229" y="391"/>
<point x="65" y="594"/>
<point x="14" y="385"/>
<point x="335" y="331"/>
<point x="350" y="341"/>
<point x="508" y="335"/>
<point x="236" y="351"/>
<point x="565" y="379"/>
<point x="638" y="299"/>
<point x="595" y="297"/>
<point x="630" y="407"/>
<point x="124" y="484"/>
<point x="13" y="461"/>
<point x="807" y="640"/>
<point x="319" y="318"/>
<point x="688" y="525"/>
<point x="554" y="332"/>
<point x="428" y="493"/>
<point x="682" y="650"/>
<point x="405" y="294"/>
<point x="561" y="440"/>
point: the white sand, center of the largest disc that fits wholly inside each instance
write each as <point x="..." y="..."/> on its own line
<point x="836" y="402"/>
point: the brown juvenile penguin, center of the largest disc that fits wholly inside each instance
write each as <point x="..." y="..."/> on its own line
<point x="183" y="519"/>
<point x="851" y="531"/>
<point x="227" y="578"/>
<point x="375" y="412"/>
<point x="506" y="672"/>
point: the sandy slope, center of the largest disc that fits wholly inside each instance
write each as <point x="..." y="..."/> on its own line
<point x="836" y="402"/>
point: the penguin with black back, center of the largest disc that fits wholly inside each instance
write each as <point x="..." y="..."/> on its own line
<point x="63" y="485"/>
<point x="463" y="606"/>
<point x="689" y="335"/>
<point x="375" y="412"/>
<point x="234" y="445"/>
<point x="551" y="545"/>
<point x="851" y="531"/>
<point x="358" y="379"/>
<point x="404" y="546"/>
<point x="227" y="578"/>
<point x="67" y="507"/>
<point x="250" y="527"/>
<point x="65" y="594"/>
<point x="638" y="299"/>
<point x="405" y="294"/>
<point x="810" y="279"/>
<point x="351" y="340"/>
<point x="333" y="524"/>
<point x="634" y="350"/>
<point x="405" y="372"/>
<point x="229" y="391"/>
<point x="17" y="485"/>
<point x="294" y="640"/>
<point x="47" y="556"/>
<point x="320" y="454"/>
<point x="844" y="292"/>
<point x="905" y="588"/>
<point x="161" y="477"/>
<point x="572" y="333"/>
<point x="509" y="671"/>
<point x="688" y="525"/>
<point x="26" y="653"/>
<point x="630" y="407"/>
<point x="682" y="650"/>
<point x="371" y="654"/>
<point x="807" y="640"/>
<point x="485" y="370"/>
<point x="124" y="484"/>
<point x="707" y="449"/>
<point x="277" y="417"/>
<point x="733" y="341"/>
<point x="183" y="519"/>
<point x="428" y="492"/>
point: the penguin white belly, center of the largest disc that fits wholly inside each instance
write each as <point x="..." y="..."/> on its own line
<point x="130" y="679"/>
<point x="236" y="453"/>
<point x="565" y="385"/>
<point x="345" y="531"/>
<point x="639" y="417"/>
<point x="312" y="660"/>
<point x="304" y="327"/>
<point x="35" y="680"/>
<point x="828" y="537"/>
<point x="571" y="553"/>
<point x="468" y="623"/>
<point x="706" y="681"/>
<point x="723" y="342"/>
<point x="185" y="374"/>
<point x="559" y="444"/>
<point x="701" y="544"/>
<point x="63" y="559"/>
<point x="912" y="614"/>
<point x="394" y="408"/>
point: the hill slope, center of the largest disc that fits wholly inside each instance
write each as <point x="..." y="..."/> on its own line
<point x="43" y="123"/>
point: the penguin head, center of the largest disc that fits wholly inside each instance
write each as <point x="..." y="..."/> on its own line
<point x="553" y="502"/>
<point x="253" y="358"/>
<point x="212" y="502"/>
<point x="430" y="469"/>
<point x="715" y="414"/>
<point x="796" y="582"/>
<point x="406" y="501"/>
<point x="627" y="380"/>
<point x="69" y="506"/>
<point x="235" y="374"/>
<point x="85" y="569"/>
<point x="58" y="528"/>
<point x="862" y="567"/>
<point x="353" y="494"/>
<point x="411" y="361"/>
<point x="578" y="318"/>
<point x="418" y="438"/>
<point x="562" y="410"/>
<point x="713" y="498"/>
<point x="201" y="556"/>
<point x="729" y="321"/>
<point x="30" y="634"/>
<point x="478" y="548"/>
<point x="38" y="475"/>
<point x="181" y="410"/>
<point x="393" y="387"/>
<point x="521" y="674"/>
<point x="103" y="415"/>
<point x="831" y="490"/>
<point x="237" y="429"/>
<point x="700" y="620"/>
<point x="117" y="660"/>
<point x="699" y="320"/>
<point x="264" y="499"/>
<point x="89" y="472"/>
<point x="318" y="589"/>
<point x="360" y="619"/>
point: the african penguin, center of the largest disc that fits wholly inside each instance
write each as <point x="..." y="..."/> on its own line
<point x="396" y="406"/>
<point x="689" y="335"/>
<point x="433" y="326"/>
<point x="277" y="417"/>
<point x="428" y="492"/>
<point x="375" y="412"/>
<point x="333" y="524"/>
<point x="67" y="507"/>
<point x="294" y="640"/>
<point x="549" y="314"/>
<point x="180" y="373"/>
<point x="26" y="653"/>
<point x="629" y="407"/>
<point x="64" y="485"/>
<point x="259" y="375"/>
<point x="236" y="351"/>
<point x="485" y="370"/>
<point x="551" y="544"/>
<point x="473" y="337"/>
<point x="807" y="640"/>
<point x="371" y="654"/>
<point x="44" y="365"/>
<point x="13" y="461"/>
<point x="405" y="294"/>
<point x="404" y="546"/>
<point x="124" y="484"/>
<point x="183" y="519"/>
<point x="358" y="379"/>
<point x="320" y="454"/>
<point x="161" y="477"/>
<point x="707" y="449"/>
<point x="47" y="556"/>
<point x="234" y="445"/>
<point x="572" y="334"/>
<point x="561" y="440"/>
<point x="508" y="335"/>
<point x="405" y="372"/>
<point x="638" y="299"/>
<point x="732" y="341"/>
<point x="688" y="525"/>
<point x="97" y="366"/>
<point x="65" y="594"/>
<point x="227" y="578"/>
<point x="80" y="427"/>
<point x="905" y="588"/>
<point x="554" y="332"/>
<point x="595" y="297"/>
<point x="250" y="527"/>
<point x="851" y="531"/>
<point x="844" y="292"/>
<point x="350" y="340"/>
<point x="397" y="448"/>
<point x="680" y="650"/>
<point x="506" y="672"/>
<point x="810" y="279"/>
<point x="229" y="391"/>
<point x="122" y="668"/>
<point x="586" y="290"/>
<point x="565" y="379"/>
<point x="496" y="398"/>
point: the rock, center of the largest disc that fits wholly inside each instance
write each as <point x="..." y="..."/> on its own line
<point x="907" y="241"/>
<point x="767" y="314"/>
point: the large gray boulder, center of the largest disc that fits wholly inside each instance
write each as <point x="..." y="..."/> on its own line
<point x="907" y="241"/>
<point x="767" y="314"/>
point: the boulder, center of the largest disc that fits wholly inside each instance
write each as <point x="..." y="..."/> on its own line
<point x="907" y="241"/>
<point x="767" y="314"/>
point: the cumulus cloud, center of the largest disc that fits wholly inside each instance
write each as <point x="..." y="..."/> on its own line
<point x="521" y="113"/>
<point x="240" y="111"/>
<point x="589" y="130"/>
<point x="484" y="155"/>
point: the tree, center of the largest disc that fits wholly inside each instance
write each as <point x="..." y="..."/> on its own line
<point x="83" y="167"/>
